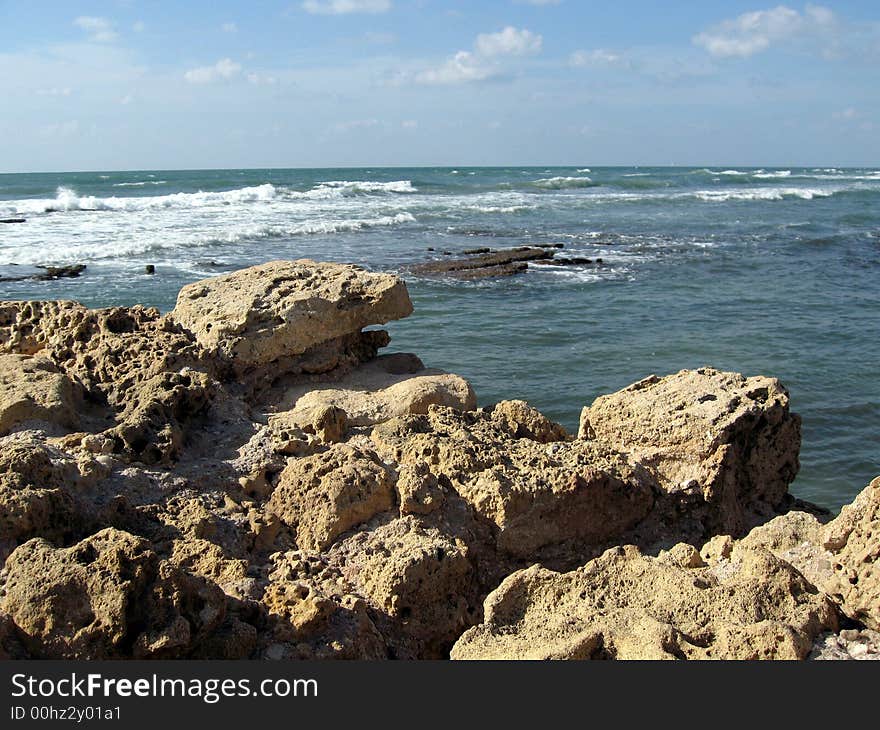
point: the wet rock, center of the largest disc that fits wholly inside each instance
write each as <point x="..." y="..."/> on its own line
<point x="498" y="263"/>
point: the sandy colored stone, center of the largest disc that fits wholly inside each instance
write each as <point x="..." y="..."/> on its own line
<point x="624" y="605"/>
<point x="78" y="602"/>
<point x="853" y="539"/>
<point x="421" y="578"/>
<point x="315" y="614"/>
<point x="536" y="494"/>
<point x="282" y="308"/>
<point x="730" y="439"/>
<point x="33" y="389"/>
<point x="324" y="495"/>
<point x="387" y="387"/>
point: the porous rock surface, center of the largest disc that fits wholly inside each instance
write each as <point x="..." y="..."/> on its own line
<point x="244" y="477"/>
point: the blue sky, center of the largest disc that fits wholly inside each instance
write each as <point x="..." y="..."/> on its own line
<point x="133" y="84"/>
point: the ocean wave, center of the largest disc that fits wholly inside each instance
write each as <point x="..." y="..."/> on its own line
<point x="584" y="169"/>
<point x="720" y="196"/>
<point x="139" y="184"/>
<point x="771" y="175"/>
<point x="562" y="183"/>
<point x="67" y="199"/>
<point x="309" y="227"/>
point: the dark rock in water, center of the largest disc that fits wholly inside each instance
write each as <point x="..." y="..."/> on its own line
<point x="13" y="220"/>
<point x="548" y="245"/>
<point x="474" y="251"/>
<point x="498" y="263"/>
<point x="574" y="261"/>
<point x="149" y="269"/>
<point x="447" y="253"/>
<point x="61" y="272"/>
<point x="490" y="272"/>
<point x="430" y="248"/>
<point x="599" y="261"/>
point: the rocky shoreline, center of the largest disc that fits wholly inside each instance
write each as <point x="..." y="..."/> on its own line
<point x="247" y="477"/>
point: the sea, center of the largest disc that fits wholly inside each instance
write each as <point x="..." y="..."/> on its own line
<point x="772" y="271"/>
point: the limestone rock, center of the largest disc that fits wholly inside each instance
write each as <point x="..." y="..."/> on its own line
<point x="78" y="602"/>
<point x="283" y="308"/>
<point x="730" y="438"/>
<point x="389" y="386"/>
<point x="324" y="495"/>
<point x="108" y="596"/>
<point x="853" y="540"/>
<point x="33" y="389"/>
<point x="421" y="578"/>
<point x="624" y="605"/>
<point x="536" y="494"/>
<point x="314" y="613"/>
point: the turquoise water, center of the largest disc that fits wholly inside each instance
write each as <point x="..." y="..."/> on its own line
<point x="761" y="271"/>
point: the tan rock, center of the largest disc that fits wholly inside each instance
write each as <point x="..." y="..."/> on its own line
<point x="624" y="605"/>
<point x="853" y="539"/>
<point x="387" y="387"/>
<point x="314" y="613"/>
<point x="324" y="495"/>
<point x="78" y="602"/>
<point x="33" y="389"/>
<point x="520" y="420"/>
<point x="536" y="494"/>
<point x="282" y="308"/>
<point x="418" y="576"/>
<point x="729" y="438"/>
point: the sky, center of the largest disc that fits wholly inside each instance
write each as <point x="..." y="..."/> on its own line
<point x="139" y="84"/>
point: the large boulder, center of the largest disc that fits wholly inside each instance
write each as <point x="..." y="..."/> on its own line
<point x="536" y="493"/>
<point x="728" y="439"/>
<point x="282" y="308"/>
<point x="625" y="605"/>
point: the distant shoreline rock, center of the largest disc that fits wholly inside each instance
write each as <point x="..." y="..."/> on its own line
<point x="247" y="477"/>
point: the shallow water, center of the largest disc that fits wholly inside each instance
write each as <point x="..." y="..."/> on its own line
<point x="764" y="271"/>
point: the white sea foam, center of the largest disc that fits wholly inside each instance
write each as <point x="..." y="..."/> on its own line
<point x="770" y="175"/>
<point x="561" y="183"/>
<point x="584" y="169"/>
<point x="139" y="184"/>
<point x="720" y="196"/>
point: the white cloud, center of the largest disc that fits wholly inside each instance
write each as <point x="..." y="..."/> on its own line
<point x="482" y="63"/>
<point x="100" y="30"/>
<point x="261" y="79"/>
<point x="846" y="114"/>
<point x="126" y="100"/>
<point x="344" y="7"/>
<point x="597" y="57"/>
<point x="229" y="28"/>
<point x="409" y="124"/>
<point x="462" y="68"/>
<point x="753" y="32"/>
<point x="139" y="26"/>
<point x="225" y="68"/>
<point x="508" y="42"/>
